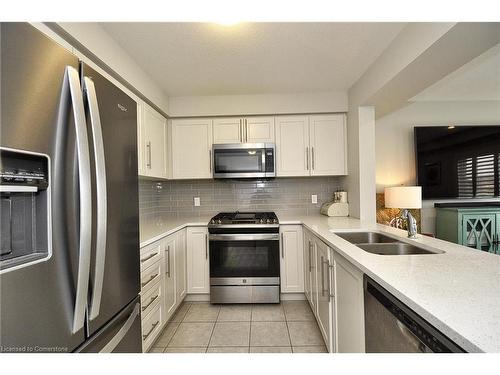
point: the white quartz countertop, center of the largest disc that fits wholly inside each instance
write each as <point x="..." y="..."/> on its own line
<point x="458" y="291"/>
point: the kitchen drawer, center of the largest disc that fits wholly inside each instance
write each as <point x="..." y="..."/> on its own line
<point x="150" y="299"/>
<point x="150" y="255"/>
<point x="151" y="327"/>
<point x="150" y="276"/>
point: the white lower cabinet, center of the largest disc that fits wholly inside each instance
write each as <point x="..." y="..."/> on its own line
<point x="180" y="264"/>
<point x="310" y="283"/>
<point x="163" y="283"/>
<point x="349" y="307"/>
<point x="291" y="259"/>
<point x="198" y="271"/>
<point x="151" y="327"/>
<point x="169" y="278"/>
<point x="334" y="289"/>
<point x="325" y="294"/>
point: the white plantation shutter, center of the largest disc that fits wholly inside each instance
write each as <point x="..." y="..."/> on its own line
<point x="476" y="176"/>
<point x="485" y="176"/>
<point x="465" y="178"/>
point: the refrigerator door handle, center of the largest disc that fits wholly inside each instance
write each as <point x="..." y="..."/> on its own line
<point x="100" y="165"/>
<point x="83" y="154"/>
<point x="113" y="343"/>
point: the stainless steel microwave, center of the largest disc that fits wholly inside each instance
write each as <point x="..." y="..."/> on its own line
<point x="244" y="160"/>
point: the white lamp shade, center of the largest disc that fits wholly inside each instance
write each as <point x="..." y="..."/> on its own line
<point x="403" y="197"/>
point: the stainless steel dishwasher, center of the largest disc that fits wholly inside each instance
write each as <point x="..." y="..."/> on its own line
<point x="392" y="327"/>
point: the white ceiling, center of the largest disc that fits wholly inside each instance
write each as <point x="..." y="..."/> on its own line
<point x="253" y="58"/>
<point x="478" y="80"/>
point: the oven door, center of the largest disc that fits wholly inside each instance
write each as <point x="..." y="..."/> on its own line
<point x="244" y="259"/>
<point x="243" y="160"/>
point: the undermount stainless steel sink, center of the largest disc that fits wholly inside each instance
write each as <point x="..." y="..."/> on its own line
<point x="365" y="237"/>
<point x="396" y="248"/>
<point x="377" y="243"/>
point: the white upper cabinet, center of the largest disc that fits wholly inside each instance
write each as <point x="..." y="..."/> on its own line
<point x="292" y="146"/>
<point x="152" y="142"/>
<point x="191" y="148"/>
<point x="311" y="145"/>
<point x="258" y="129"/>
<point x="291" y="259"/>
<point x="328" y="135"/>
<point x="228" y="130"/>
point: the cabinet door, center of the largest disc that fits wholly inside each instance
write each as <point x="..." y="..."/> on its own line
<point x="169" y="269"/>
<point x="152" y="142"/>
<point x="293" y="154"/>
<point x="191" y="146"/>
<point x="478" y="231"/>
<point x="314" y="276"/>
<point x="307" y="264"/>
<point x="291" y="260"/>
<point x="324" y="292"/>
<point x="328" y="138"/>
<point x="349" y="304"/>
<point x="180" y="265"/>
<point x="198" y="272"/>
<point x="228" y="130"/>
<point x="259" y="130"/>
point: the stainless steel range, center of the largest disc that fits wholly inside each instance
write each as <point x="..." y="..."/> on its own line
<point x="244" y="257"/>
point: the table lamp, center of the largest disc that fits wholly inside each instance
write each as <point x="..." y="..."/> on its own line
<point x="405" y="198"/>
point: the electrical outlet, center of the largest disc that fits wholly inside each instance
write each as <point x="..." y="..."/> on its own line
<point x="197" y="201"/>
<point x="314" y="199"/>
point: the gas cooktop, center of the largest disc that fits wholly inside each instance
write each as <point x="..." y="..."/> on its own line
<point x="246" y="218"/>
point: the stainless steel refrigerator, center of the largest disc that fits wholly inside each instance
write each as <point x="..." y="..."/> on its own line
<point x="69" y="267"/>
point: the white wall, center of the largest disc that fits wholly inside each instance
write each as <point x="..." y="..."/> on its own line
<point x="395" y="156"/>
<point x="226" y="105"/>
<point x="96" y="40"/>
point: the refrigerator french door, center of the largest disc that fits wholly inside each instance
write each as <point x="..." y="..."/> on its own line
<point x="83" y="296"/>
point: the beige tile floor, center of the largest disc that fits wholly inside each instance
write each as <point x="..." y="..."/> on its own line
<point x="199" y="327"/>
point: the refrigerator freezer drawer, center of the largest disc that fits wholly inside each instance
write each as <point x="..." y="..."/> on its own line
<point x="151" y="327"/>
<point x="121" y="335"/>
<point x="150" y="299"/>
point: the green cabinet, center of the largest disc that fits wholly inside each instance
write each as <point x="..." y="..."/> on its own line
<point x="478" y="228"/>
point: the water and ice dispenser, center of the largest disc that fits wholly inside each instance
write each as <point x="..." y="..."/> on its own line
<point x="24" y="209"/>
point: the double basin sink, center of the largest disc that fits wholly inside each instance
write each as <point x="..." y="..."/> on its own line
<point x="377" y="243"/>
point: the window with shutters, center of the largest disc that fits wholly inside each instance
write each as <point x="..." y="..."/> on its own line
<point x="479" y="176"/>
<point x="465" y="178"/>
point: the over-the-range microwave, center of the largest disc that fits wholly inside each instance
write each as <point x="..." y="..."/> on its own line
<point x="244" y="160"/>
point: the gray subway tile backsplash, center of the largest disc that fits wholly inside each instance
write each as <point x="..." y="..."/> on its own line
<point x="291" y="195"/>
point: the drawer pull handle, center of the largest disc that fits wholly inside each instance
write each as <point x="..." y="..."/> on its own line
<point x="149" y="257"/>
<point x="150" y="302"/>
<point x="144" y="337"/>
<point x="150" y="279"/>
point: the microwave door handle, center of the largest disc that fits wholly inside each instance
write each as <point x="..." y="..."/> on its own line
<point x="100" y="165"/>
<point x="85" y="196"/>
<point x="264" y="160"/>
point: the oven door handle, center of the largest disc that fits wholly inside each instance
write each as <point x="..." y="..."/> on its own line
<point x="245" y="237"/>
